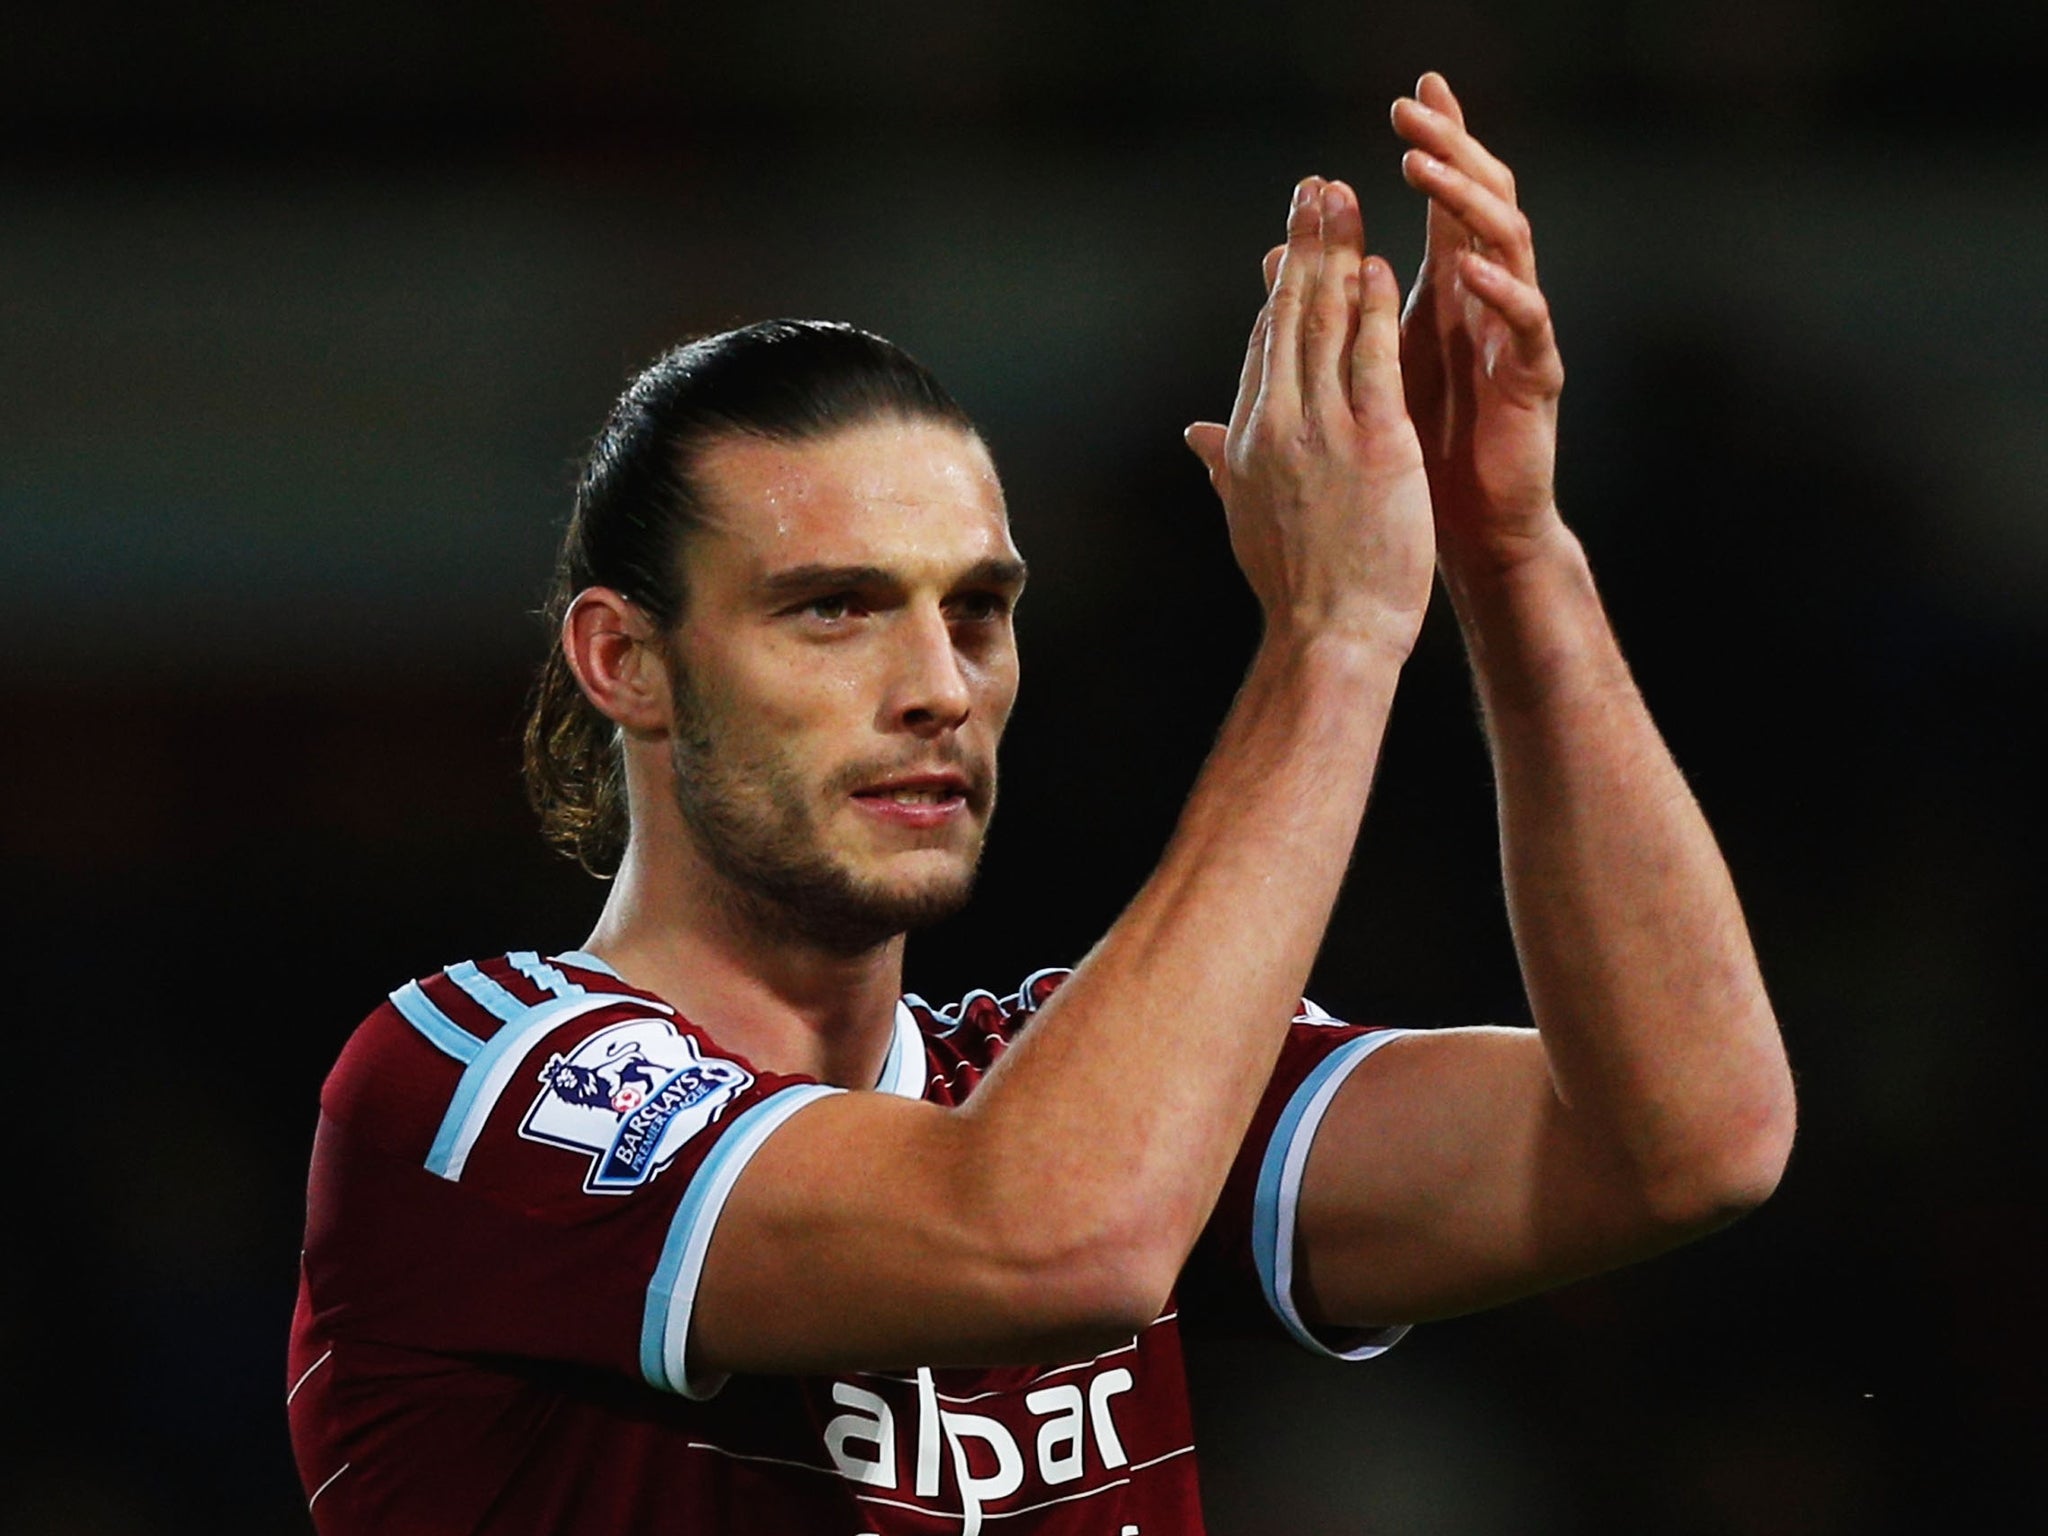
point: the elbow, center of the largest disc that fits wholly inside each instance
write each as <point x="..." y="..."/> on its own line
<point x="1728" y="1168"/>
<point x="1107" y="1305"/>
<point x="1066" y="1258"/>
<point x="1093" y="1289"/>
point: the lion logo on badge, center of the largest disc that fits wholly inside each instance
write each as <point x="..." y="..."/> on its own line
<point x="629" y="1097"/>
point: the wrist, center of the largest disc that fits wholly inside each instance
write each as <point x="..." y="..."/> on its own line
<point x="1339" y="679"/>
<point x="1476" y="562"/>
<point x="1535" y="630"/>
<point x="1334" y="652"/>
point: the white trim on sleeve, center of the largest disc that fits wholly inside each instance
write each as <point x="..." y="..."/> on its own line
<point x="665" y="1324"/>
<point x="1277" y="1197"/>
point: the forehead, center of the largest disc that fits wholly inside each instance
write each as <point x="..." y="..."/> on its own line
<point x="914" y="496"/>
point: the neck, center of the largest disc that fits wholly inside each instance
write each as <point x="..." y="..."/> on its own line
<point x="673" y="927"/>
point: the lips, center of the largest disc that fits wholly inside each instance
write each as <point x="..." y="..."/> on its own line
<point x="922" y="800"/>
<point x="917" y="789"/>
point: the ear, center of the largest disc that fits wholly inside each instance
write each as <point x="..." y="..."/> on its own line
<point x="611" y="646"/>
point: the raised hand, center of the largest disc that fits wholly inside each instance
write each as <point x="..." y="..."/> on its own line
<point x="1477" y="350"/>
<point x="1319" y="469"/>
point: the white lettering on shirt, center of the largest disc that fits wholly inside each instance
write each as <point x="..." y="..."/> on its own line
<point x="988" y="1463"/>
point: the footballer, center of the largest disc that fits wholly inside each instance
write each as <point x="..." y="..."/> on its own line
<point x="703" y="1226"/>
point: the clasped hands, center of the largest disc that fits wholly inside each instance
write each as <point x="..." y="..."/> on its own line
<point x="1368" y="441"/>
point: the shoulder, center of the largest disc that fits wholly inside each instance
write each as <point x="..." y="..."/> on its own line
<point x="963" y="1039"/>
<point x="458" y="1036"/>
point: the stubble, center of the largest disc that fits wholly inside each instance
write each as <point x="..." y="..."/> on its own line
<point x="746" y="805"/>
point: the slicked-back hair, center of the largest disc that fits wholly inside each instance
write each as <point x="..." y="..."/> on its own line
<point x="639" y="493"/>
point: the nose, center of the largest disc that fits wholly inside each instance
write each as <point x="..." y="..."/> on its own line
<point x="931" y="693"/>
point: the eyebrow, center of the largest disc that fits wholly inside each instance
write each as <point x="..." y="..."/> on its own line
<point x="996" y="571"/>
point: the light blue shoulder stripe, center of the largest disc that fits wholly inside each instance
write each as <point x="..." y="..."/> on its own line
<point x="1278" y="1193"/>
<point x="665" y="1325"/>
<point x="442" y="1032"/>
<point x="494" y="1064"/>
<point x="541" y="974"/>
<point x="584" y="960"/>
<point x="485" y="992"/>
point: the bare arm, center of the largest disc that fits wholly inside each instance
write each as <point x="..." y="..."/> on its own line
<point x="1653" y="1103"/>
<point x="1058" y="1206"/>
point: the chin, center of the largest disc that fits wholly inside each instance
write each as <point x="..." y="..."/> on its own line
<point x="851" y="908"/>
<point x="934" y="889"/>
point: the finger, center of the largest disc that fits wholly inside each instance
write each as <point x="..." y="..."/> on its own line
<point x="1328" y="321"/>
<point x="1525" y="310"/>
<point x="1434" y="92"/>
<point x="1207" y="439"/>
<point x="1346" y="224"/>
<point x="1445" y="137"/>
<point x="1349" y="231"/>
<point x="1280" y="379"/>
<point x="1488" y="217"/>
<point x="1376" y="352"/>
<point x="1251" y="377"/>
<point x="1442" y="235"/>
<point x="1271" y="266"/>
<point x="1435" y="109"/>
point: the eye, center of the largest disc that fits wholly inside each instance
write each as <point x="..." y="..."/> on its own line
<point x="978" y="607"/>
<point x="831" y="607"/>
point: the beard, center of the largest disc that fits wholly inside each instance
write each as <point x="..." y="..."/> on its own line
<point x="756" y="826"/>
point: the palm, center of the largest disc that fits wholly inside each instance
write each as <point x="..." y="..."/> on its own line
<point x="1488" y="430"/>
<point x="1480" y="364"/>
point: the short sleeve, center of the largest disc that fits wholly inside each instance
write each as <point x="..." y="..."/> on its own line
<point x="1241" y="1275"/>
<point x="531" y="1181"/>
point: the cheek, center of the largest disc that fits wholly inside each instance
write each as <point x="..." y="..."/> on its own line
<point x="997" y="687"/>
<point x="805" y="718"/>
<point x="778" y="688"/>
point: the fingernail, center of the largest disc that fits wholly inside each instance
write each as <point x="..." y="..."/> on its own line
<point x="1333" y="202"/>
<point x="1302" y="191"/>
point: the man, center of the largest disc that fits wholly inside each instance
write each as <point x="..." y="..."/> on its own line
<point x="702" y="1227"/>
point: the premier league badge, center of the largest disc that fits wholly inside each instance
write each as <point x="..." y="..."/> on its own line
<point x="630" y="1096"/>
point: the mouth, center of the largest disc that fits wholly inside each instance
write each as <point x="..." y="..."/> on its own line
<point x="917" y="789"/>
<point x="917" y="800"/>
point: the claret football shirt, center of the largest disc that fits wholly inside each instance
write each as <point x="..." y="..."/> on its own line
<point x="518" y="1169"/>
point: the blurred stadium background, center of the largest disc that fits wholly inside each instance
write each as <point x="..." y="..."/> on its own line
<point x="306" y="311"/>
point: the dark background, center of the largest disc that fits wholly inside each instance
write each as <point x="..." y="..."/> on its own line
<point x="305" y="312"/>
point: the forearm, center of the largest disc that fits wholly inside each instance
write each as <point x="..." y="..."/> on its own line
<point x="1053" y="1210"/>
<point x="1117" y="1115"/>
<point x="1059" y="1202"/>
<point x="1640" y="973"/>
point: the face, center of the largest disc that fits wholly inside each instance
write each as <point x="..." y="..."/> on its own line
<point x="843" y="671"/>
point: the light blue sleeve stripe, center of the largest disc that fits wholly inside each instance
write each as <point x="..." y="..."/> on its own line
<point x="442" y="1032"/>
<point x="665" y="1325"/>
<point x="495" y="1062"/>
<point x="485" y="992"/>
<point x="1278" y="1194"/>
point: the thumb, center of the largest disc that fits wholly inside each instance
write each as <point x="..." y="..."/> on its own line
<point x="1206" y="439"/>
